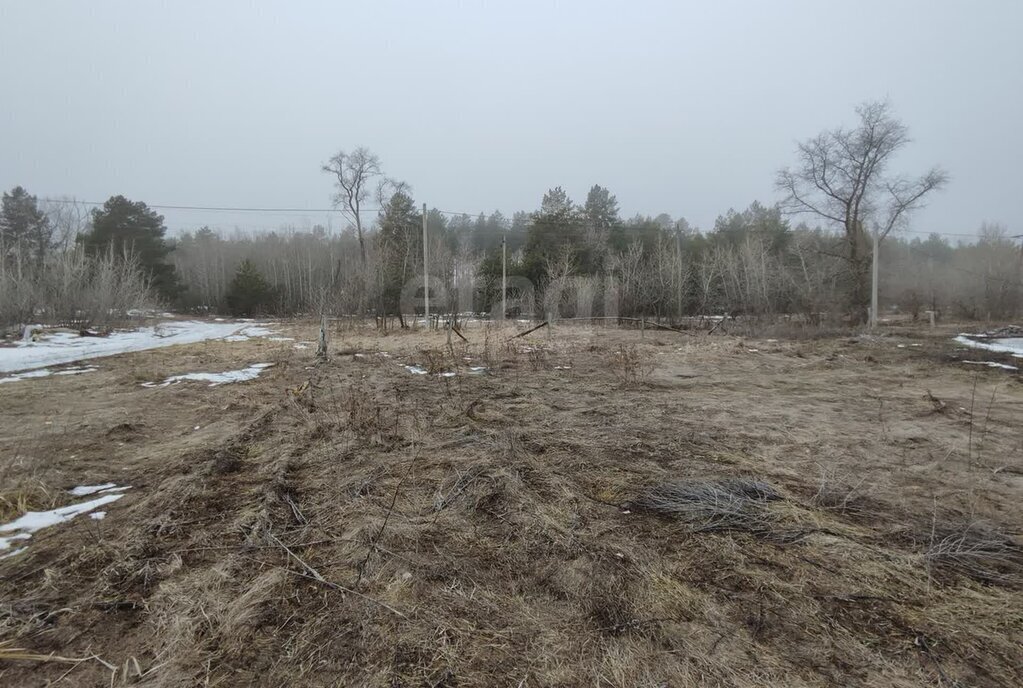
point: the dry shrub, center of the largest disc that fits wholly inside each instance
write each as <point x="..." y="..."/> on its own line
<point x="839" y="496"/>
<point x="975" y="550"/>
<point x="628" y="364"/>
<point x="360" y="411"/>
<point x="71" y="286"/>
<point x="734" y="504"/>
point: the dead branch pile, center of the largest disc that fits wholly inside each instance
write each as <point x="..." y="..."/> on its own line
<point x="732" y="504"/>
<point x="976" y="551"/>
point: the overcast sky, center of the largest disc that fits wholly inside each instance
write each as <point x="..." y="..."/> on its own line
<point x="678" y="107"/>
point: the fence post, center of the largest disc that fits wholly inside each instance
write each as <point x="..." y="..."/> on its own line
<point x="321" y="346"/>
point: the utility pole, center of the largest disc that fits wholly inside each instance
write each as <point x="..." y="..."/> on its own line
<point x="504" y="276"/>
<point x="678" y="262"/>
<point x="426" y="272"/>
<point x="873" y="286"/>
<point x="1019" y="274"/>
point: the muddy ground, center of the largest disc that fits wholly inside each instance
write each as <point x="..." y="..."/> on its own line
<point x="356" y="524"/>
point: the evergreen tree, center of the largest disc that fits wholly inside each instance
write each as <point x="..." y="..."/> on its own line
<point x="249" y="293"/>
<point x="555" y="229"/>
<point x="601" y="209"/>
<point x="126" y="227"/>
<point x="23" y="223"/>
<point x="400" y="240"/>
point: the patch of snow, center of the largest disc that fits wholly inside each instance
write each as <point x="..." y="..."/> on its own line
<point x="25" y="376"/>
<point x="46" y="372"/>
<point x="243" y="375"/>
<point x="477" y="369"/>
<point x="301" y="346"/>
<point x="1005" y="345"/>
<point x="76" y="371"/>
<point x="68" y="347"/>
<point x="563" y="367"/>
<point x="415" y="370"/>
<point x="98" y="515"/>
<point x="84" y="490"/>
<point x="28" y="523"/>
<point x="13" y="553"/>
<point x="281" y="339"/>
<point x="446" y="374"/>
<point x="992" y="364"/>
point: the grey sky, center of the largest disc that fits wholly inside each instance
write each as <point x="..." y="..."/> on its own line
<point x="685" y="108"/>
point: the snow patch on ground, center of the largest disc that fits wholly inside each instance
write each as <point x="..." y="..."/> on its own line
<point x="68" y="347"/>
<point x="415" y="370"/>
<point x="992" y="364"/>
<point x="46" y="372"/>
<point x="228" y="376"/>
<point x="84" y="490"/>
<point x="250" y="332"/>
<point x="28" y="523"/>
<point x="1005" y="345"/>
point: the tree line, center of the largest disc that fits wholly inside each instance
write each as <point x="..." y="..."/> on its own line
<point x="807" y="255"/>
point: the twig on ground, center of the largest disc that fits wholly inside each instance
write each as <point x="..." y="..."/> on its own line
<point x="313" y="574"/>
<point x="390" y="510"/>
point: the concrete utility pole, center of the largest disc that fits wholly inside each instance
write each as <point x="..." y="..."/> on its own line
<point x="504" y="277"/>
<point x="873" y="286"/>
<point x="1019" y="273"/>
<point x="426" y="272"/>
<point x="678" y="261"/>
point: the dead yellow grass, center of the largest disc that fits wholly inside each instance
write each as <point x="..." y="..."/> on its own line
<point x="354" y="524"/>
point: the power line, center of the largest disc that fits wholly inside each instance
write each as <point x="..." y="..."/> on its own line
<point x="217" y="208"/>
<point x="454" y="213"/>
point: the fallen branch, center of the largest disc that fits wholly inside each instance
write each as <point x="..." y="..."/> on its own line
<point x="532" y="329"/>
<point x="719" y="324"/>
<point x="390" y="510"/>
<point x="313" y="574"/>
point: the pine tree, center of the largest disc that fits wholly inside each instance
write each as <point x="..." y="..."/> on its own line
<point x="249" y="293"/>
<point x="23" y="224"/>
<point x="401" y="247"/>
<point x="126" y="227"/>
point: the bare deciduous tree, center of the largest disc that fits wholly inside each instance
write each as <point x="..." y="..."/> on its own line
<point x="353" y="173"/>
<point x="840" y="178"/>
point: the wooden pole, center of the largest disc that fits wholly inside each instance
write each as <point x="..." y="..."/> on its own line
<point x="873" y="286"/>
<point x="321" y="346"/>
<point x="504" y="277"/>
<point x="426" y="272"/>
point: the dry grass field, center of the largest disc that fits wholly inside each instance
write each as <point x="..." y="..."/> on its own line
<point x="595" y="508"/>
